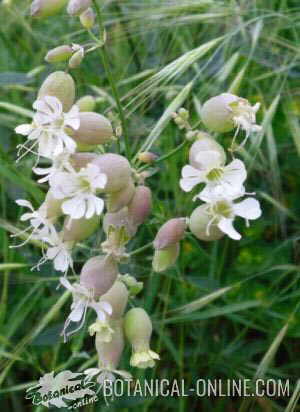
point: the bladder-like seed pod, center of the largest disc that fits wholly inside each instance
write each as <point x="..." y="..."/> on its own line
<point x="60" y="85"/>
<point x="86" y="103"/>
<point x="117" y="170"/>
<point x="76" y="59"/>
<point x="59" y="54"/>
<point x="118" y="220"/>
<point x="140" y="206"/>
<point x="205" y="144"/>
<point x="46" y="8"/>
<point x="77" y="230"/>
<point x="109" y="354"/>
<point x="80" y="160"/>
<point x="87" y="18"/>
<point x="76" y="7"/>
<point x="94" y="129"/>
<point x="51" y="207"/>
<point x="147" y="157"/>
<point x="165" y="258"/>
<point x="202" y="226"/>
<point x="117" y="297"/>
<point x="170" y="233"/>
<point x="99" y="274"/>
<point x="138" y="331"/>
<point x="117" y="200"/>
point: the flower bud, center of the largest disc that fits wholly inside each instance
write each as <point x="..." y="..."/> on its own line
<point x="76" y="7"/>
<point x="117" y="200"/>
<point x="80" y="160"/>
<point x="60" y="85"/>
<point x="76" y="59"/>
<point x="86" y="103"/>
<point x="117" y="297"/>
<point x="46" y="8"/>
<point x="201" y="225"/>
<point x="170" y="233"/>
<point x="147" y="157"/>
<point x="99" y="274"/>
<point x="94" y="129"/>
<point x="117" y="170"/>
<point x="118" y="220"/>
<point x="87" y="18"/>
<point x="138" y="330"/>
<point x="203" y="144"/>
<point x="216" y="114"/>
<point x="77" y="230"/>
<point x="165" y="258"/>
<point x="59" y="54"/>
<point x="140" y="205"/>
<point x="109" y="353"/>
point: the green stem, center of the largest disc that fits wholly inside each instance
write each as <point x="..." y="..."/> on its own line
<point x="166" y="156"/>
<point x="105" y="60"/>
<point x="141" y="249"/>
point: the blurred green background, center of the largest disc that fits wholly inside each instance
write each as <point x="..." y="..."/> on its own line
<point x="249" y="47"/>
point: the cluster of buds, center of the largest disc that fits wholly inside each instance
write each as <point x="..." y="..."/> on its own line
<point x="221" y="184"/>
<point x="83" y="185"/>
<point x="80" y="8"/>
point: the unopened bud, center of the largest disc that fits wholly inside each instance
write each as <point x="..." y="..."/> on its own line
<point x="59" y="54"/>
<point x="87" y="18"/>
<point x="138" y="331"/>
<point x="201" y="225"/>
<point x="117" y="200"/>
<point x="94" y="129"/>
<point x="86" y="103"/>
<point x="109" y="353"/>
<point x="76" y="59"/>
<point x="204" y="144"/>
<point x="117" y="297"/>
<point x="46" y="8"/>
<point x="77" y="230"/>
<point x="183" y="113"/>
<point x="147" y="157"/>
<point x="99" y="274"/>
<point x="140" y="206"/>
<point x="76" y="7"/>
<point x="170" y="233"/>
<point x="117" y="170"/>
<point x="165" y="258"/>
<point x="60" y="85"/>
<point x="81" y="160"/>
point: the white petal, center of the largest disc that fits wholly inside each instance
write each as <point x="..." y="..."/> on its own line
<point x="74" y="207"/>
<point x="209" y="159"/>
<point x="190" y="178"/>
<point x="24" y="129"/>
<point x="248" y="209"/>
<point x="235" y="173"/>
<point x="25" y="203"/>
<point x="226" y="226"/>
<point x="65" y="282"/>
<point x="77" y="312"/>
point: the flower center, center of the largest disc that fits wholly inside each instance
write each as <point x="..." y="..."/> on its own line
<point x="223" y="208"/>
<point x="84" y="184"/>
<point x="214" y="174"/>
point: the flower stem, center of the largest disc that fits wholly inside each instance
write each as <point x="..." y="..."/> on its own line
<point x="140" y="249"/>
<point x="105" y="60"/>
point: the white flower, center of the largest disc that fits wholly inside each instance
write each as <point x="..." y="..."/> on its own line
<point x="103" y="330"/>
<point x="59" y="164"/>
<point x="214" y="174"/>
<point x="58" y="251"/>
<point x="144" y="358"/>
<point x="105" y="374"/>
<point x="49" y="128"/>
<point x="223" y="211"/>
<point x="79" y="189"/>
<point x="40" y="225"/>
<point x="83" y="299"/>
<point x="244" y="115"/>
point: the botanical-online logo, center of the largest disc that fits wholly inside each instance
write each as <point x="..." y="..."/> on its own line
<point x="54" y="390"/>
